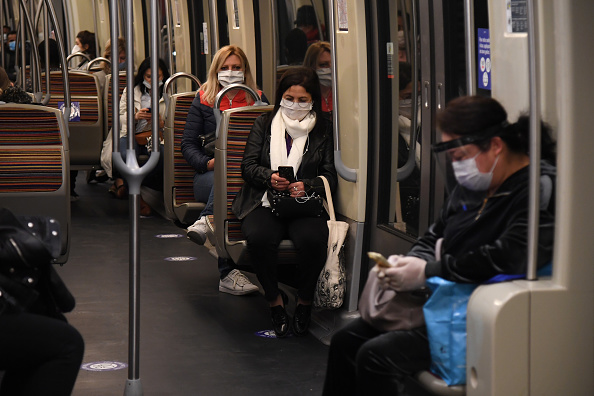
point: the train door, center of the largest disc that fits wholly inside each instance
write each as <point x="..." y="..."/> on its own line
<point x="417" y="65"/>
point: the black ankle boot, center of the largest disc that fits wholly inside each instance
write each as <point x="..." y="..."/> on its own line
<point x="280" y="319"/>
<point x="301" y="319"/>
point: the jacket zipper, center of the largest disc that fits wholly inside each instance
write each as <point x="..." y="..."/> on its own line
<point x="481" y="209"/>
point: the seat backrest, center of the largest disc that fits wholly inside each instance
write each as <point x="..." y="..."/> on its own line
<point x="108" y="101"/>
<point x="178" y="174"/>
<point x="34" y="164"/>
<point x="86" y="130"/>
<point x="234" y="130"/>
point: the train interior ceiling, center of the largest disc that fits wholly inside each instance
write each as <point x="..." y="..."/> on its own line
<point x="394" y="65"/>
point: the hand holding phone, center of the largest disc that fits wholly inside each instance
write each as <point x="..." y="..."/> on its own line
<point x="286" y="172"/>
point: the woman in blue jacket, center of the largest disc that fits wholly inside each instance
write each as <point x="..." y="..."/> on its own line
<point x="229" y="66"/>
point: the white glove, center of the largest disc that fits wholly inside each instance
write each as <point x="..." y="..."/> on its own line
<point x="408" y="274"/>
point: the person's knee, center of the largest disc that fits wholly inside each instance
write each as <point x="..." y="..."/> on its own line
<point x="74" y="344"/>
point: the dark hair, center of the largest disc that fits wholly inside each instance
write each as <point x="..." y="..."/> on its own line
<point x="144" y="66"/>
<point x="54" y="54"/>
<point x="304" y="77"/>
<point x="296" y="45"/>
<point x="15" y="95"/>
<point x="306" y="16"/>
<point x="476" y="115"/>
<point x="404" y="75"/>
<point x="87" y="38"/>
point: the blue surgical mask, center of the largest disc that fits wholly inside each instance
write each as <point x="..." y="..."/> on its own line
<point x="122" y="66"/>
<point x="12" y="45"/>
<point x="469" y="176"/>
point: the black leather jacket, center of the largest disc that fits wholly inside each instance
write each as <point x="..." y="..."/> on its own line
<point x="489" y="238"/>
<point x="318" y="159"/>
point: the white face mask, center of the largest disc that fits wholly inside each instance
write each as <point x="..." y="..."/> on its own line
<point x="227" y="77"/>
<point x="148" y="84"/>
<point x="325" y="76"/>
<point x="295" y="111"/>
<point x="76" y="49"/>
<point x="469" y="176"/>
<point x="401" y="42"/>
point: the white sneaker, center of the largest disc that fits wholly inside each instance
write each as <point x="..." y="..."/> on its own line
<point x="237" y="284"/>
<point x="197" y="231"/>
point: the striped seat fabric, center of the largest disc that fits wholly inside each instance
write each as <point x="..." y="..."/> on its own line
<point x="183" y="174"/>
<point x="30" y="170"/>
<point x="108" y="98"/>
<point x="28" y="126"/>
<point x="83" y="89"/>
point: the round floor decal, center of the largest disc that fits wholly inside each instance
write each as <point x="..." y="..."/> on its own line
<point x="104" y="366"/>
<point x="268" y="334"/>
<point x="169" y="236"/>
<point x="181" y="258"/>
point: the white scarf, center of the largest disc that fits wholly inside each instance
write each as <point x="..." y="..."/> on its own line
<point x="299" y="131"/>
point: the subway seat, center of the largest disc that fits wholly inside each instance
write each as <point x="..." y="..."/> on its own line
<point x="235" y="128"/>
<point x="178" y="189"/>
<point x="34" y="165"/>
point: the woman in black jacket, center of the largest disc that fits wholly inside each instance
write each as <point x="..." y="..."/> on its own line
<point x="483" y="233"/>
<point x="295" y="134"/>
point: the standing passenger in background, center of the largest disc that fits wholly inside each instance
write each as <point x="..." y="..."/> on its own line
<point x="306" y="21"/>
<point x="319" y="58"/>
<point x="85" y="43"/>
<point x="229" y="65"/>
<point x="294" y="134"/>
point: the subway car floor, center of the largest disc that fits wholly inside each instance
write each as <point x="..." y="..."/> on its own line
<point x="194" y="340"/>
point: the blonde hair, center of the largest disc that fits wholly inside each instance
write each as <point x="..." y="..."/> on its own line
<point x="107" y="52"/>
<point x="211" y="86"/>
<point x="313" y="53"/>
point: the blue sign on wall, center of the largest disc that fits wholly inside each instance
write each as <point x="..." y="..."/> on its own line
<point x="484" y="59"/>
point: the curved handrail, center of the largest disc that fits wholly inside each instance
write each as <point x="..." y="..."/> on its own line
<point x="98" y="59"/>
<point x="406" y="170"/>
<point x="223" y="92"/>
<point x="345" y="172"/>
<point x="167" y="96"/>
<point x="35" y="66"/>
<point x="77" y="54"/>
<point x="534" y="84"/>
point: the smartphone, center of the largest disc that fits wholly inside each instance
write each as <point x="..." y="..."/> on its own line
<point x="149" y="110"/>
<point x="287" y="173"/>
<point x="379" y="259"/>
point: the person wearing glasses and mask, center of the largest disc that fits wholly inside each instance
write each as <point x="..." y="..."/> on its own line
<point x="294" y="134"/>
<point x="483" y="232"/>
<point x="229" y="66"/>
<point x="319" y="58"/>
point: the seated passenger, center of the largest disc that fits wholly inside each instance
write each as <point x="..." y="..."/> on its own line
<point x="319" y="58"/>
<point x="294" y="134"/>
<point x="483" y="224"/>
<point x="143" y="113"/>
<point x="40" y="352"/>
<point x="229" y="65"/>
<point x="85" y="43"/>
<point x="9" y="93"/>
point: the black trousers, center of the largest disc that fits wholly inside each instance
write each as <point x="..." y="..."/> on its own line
<point x="264" y="232"/>
<point x="41" y="355"/>
<point x="365" y="361"/>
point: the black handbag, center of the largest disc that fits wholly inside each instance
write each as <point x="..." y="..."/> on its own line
<point x="208" y="142"/>
<point x="285" y="206"/>
<point x="28" y="281"/>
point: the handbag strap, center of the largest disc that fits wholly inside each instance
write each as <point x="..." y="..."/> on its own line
<point x="329" y="198"/>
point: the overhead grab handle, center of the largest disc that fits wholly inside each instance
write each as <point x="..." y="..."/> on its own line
<point x="345" y="172"/>
<point x="216" y="108"/>
<point x="168" y="83"/>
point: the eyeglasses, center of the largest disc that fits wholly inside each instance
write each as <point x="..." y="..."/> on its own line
<point x="291" y="104"/>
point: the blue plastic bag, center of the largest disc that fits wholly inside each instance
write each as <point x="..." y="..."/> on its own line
<point x="445" y="317"/>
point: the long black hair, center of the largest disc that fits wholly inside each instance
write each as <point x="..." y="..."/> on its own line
<point x="144" y="66"/>
<point x="476" y="115"/>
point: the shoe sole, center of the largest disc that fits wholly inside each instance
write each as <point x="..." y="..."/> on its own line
<point x="236" y="292"/>
<point x="196" y="237"/>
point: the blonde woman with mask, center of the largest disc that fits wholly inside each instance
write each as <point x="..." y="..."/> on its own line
<point x="229" y="66"/>
<point x="319" y="58"/>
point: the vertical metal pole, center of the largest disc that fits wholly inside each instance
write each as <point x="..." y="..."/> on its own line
<point x="2" y="63"/>
<point x="214" y="26"/>
<point x="96" y="28"/>
<point x="470" y="54"/>
<point x="534" y="203"/>
<point x="169" y="24"/>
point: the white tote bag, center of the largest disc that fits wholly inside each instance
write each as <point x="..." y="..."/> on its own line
<point x="331" y="285"/>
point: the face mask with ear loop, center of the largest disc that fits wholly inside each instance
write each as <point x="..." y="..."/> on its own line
<point x="469" y="176"/>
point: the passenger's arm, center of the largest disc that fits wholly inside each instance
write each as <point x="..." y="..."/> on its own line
<point x="325" y="167"/>
<point x="251" y="169"/>
<point x="191" y="146"/>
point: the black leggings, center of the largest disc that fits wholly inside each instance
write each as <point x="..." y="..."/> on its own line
<point x="264" y="232"/>
<point x="365" y="361"/>
<point x="41" y="355"/>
